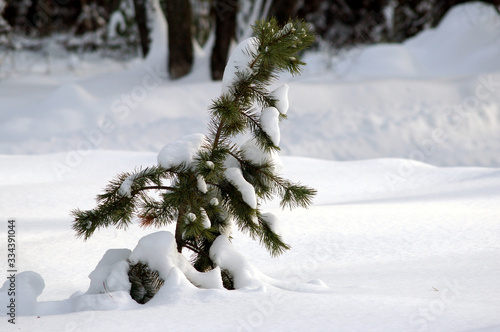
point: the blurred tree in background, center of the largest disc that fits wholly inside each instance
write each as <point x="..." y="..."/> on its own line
<point x="124" y="25"/>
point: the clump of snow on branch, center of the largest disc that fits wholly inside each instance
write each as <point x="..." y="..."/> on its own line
<point x="181" y="151"/>
<point x="235" y="176"/>
<point x="269" y="120"/>
<point x="239" y="62"/>
<point x="126" y="186"/>
<point x="205" y="221"/>
<point x="281" y="96"/>
<point x="253" y="153"/>
<point x="202" y="185"/>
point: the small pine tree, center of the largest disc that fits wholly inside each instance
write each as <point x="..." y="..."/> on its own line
<point x="208" y="183"/>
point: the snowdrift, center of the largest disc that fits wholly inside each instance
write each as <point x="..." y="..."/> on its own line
<point x="371" y="254"/>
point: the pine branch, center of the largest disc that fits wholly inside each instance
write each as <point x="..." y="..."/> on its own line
<point x="270" y="240"/>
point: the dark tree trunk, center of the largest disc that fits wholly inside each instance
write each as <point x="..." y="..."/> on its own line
<point x="141" y="18"/>
<point x="11" y="14"/>
<point x="178" y="230"/>
<point x="282" y="10"/>
<point x="225" y="28"/>
<point x="180" y="41"/>
<point x="32" y="17"/>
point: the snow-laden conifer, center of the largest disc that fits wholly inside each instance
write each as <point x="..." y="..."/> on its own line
<point x="208" y="184"/>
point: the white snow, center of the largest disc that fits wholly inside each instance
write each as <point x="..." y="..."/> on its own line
<point x="239" y="61"/>
<point x="159" y="251"/>
<point x="191" y="217"/>
<point x="100" y="279"/>
<point x="273" y="222"/>
<point x="205" y="220"/>
<point x="181" y="151"/>
<point x="281" y="96"/>
<point x="269" y="120"/>
<point x="126" y="186"/>
<point x="158" y="35"/>
<point x="392" y="243"/>
<point x="245" y="276"/>
<point x="210" y="164"/>
<point x="24" y="288"/>
<point x="116" y="23"/>
<point x="252" y="152"/>
<point x="235" y="176"/>
<point x="202" y="185"/>
<point x="379" y="245"/>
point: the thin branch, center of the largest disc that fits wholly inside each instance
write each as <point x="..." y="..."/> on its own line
<point x="190" y="247"/>
<point x="155" y="188"/>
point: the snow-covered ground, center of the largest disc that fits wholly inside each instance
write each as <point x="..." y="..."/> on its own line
<point x="400" y="244"/>
<point x="421" y="255"/>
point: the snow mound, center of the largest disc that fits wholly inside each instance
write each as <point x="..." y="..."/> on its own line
<point x="159" y="252"/>
<point x="104" y="277"/>
<point x="109" y="286"/>
<point x="464" y="43"/>
<point x="25" y="287"/>
<point x="247" y="277"/>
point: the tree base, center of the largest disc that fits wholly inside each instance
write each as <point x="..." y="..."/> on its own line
<point x="227" y="279"/>
<point x="145" y="282"/>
